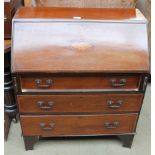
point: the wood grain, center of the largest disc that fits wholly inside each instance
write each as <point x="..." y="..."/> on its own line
<point x="69" y="13"/>
<point x="64" y="125"/>
<point x="7" y="123"/>
<point x="28" y="84"/>
<point x="79" y="103"/>
<point x="79" y="45"/>
<point x="8" y="20"/>
<point x="83" y="53"/>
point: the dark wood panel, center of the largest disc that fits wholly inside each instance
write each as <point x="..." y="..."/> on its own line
<point x="107" y="103"/>
<point x="59" y="125"/>
<point x="41" y="84"/>
<point x="7" y="19"/>
<point x="7" y="123"/>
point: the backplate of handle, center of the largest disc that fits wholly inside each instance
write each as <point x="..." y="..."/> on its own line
<point x="47" y="127"/>
<point x="43" y="86"/>
<point x="116" y="83"/>
<point x="111" y="125"/>
<point x="45" y="106"/>
<point x="112" y="104"/>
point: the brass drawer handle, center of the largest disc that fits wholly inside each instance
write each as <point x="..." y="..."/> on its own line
<point x="47" y="127"/>
<point x="5" y="18"/>
<point x="113" y="105"/>
<point x="42" y="105"/>
<point x="44" y="86"/>
<point x="111" y="125"/>
<point x="121" y="83"/>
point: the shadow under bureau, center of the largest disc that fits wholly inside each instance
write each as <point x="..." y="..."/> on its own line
<point x="79" y="72"/>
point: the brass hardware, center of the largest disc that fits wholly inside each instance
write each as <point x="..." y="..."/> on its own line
<point x="42" y="105"/>
<point x="111" y="125"/>
<point x="47" y="85"/>
<point x="5" y="18"/>
<point x="121" y="83"/>
<point x="113" y="105"/>
<point x="47" y="127"/>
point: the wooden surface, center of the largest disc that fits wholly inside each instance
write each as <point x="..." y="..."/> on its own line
<point x="76" y="124"/>
<point x="82" y="3"/>
<point x="79" y="46"/>
<point x="7" y="124"/>
<point x="114" y="45"/>
<point x="143" y="5"/>
<point x="84" y="13"/>
<point x="79" y="103"/>
<point x="28" y="84"/>
<point x="69" y="13"/>
<point x="8" y="13"/>
<point x="7" y="46"/>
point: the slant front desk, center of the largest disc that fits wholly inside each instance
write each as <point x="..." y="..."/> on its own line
<point x="79" y="72"/>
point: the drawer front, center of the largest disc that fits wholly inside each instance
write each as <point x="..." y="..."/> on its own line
<point x="63" y="125"/>
<point x="40" y="84"/>
<point x="106" y="103"/>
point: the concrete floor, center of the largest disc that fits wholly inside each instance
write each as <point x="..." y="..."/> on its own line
<point x="141" y="144"/>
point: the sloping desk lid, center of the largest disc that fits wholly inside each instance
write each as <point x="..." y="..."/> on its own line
<point x="79" y="40"/>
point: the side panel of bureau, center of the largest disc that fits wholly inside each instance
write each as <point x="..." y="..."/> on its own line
<point x="107" y="103"/>
<point x="63" y="125"/>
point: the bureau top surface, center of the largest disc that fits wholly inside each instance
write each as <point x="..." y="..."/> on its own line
<point x="117" y="14"/>
<point x="79" y="40"/>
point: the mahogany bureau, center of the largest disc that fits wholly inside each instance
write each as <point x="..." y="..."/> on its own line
<point x="79" y="72"/>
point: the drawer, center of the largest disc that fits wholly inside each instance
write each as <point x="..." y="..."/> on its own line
<point x="67" y="125"/>
<point x="45" y="84"/>
<point x="106" y="103"/>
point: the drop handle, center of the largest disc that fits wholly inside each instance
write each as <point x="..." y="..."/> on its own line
<point x="39" y="84"/>
<point x="111" y="125"/>
<point x="44" y="106"/>
<point x="116" y="83"/>
<point x="114" y="105"/>
<point x="47" y="127"/>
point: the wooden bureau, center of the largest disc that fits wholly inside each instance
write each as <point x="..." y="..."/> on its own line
<point x="79" y="72"/>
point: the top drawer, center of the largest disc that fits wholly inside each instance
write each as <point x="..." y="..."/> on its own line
<point x="83" y="83"/>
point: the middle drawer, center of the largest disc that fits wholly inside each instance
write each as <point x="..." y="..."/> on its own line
<point x="106" y="103"/>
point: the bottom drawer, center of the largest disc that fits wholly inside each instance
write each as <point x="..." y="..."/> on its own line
<point x="72" y="125"/>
